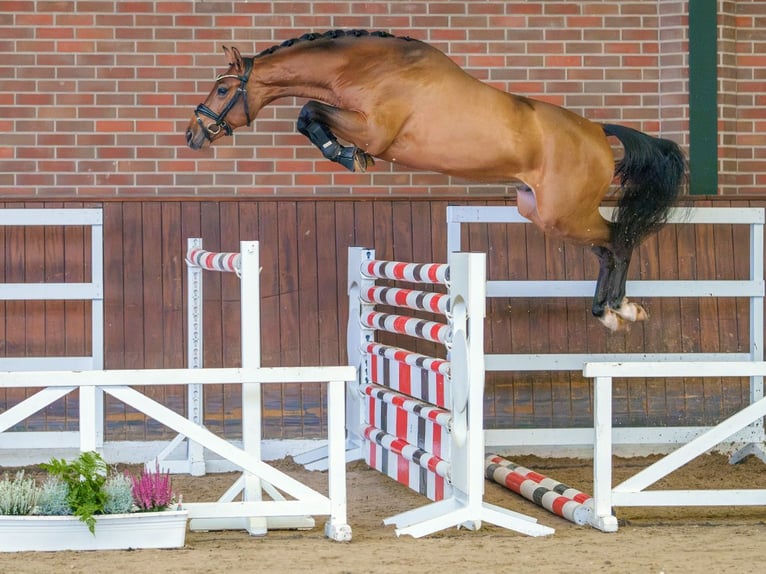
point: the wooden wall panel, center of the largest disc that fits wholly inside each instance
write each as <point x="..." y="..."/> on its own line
<point x="304" y="307"/>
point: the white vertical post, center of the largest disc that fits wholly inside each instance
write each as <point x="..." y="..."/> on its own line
<point x="453" y="232"/>
<point x="337" y="527"/>
<point x="97" y="327"/>
<point x="467" y="295"/>
<point x="88" y="418"/>
<point x="602" y="455"/>
<point x="195" y="347"/>
<point x="756" y="311"/>
<point x="357" y="337"/>
<point x="250" y="300"/>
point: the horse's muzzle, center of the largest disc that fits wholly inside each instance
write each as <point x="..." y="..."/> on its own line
<point x="195" y="139"/>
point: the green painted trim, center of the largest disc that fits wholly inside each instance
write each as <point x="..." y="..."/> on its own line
<point x="703" y="97"/>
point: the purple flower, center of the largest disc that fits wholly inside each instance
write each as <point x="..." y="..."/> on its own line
<point x="152" y="490"/>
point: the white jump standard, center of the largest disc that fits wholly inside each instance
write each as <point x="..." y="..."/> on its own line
<point x="419" y="418"/>
<point x="291" y="501"/>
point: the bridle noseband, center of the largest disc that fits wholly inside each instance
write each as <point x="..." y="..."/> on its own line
<point x="219" y="120"/>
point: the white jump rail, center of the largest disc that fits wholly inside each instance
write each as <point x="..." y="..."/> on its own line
<point x="90" y="291"/>
<point x="751" y="288"/>
<point x="632" y="492"/>
<point x="117" y="383"/>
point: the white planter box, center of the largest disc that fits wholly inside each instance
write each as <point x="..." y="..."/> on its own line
<point x="166" y="529"/>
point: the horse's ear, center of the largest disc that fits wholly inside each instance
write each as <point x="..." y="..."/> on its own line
<point x="235" y="58"/>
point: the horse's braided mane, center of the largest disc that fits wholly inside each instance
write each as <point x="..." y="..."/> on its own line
<point x="331" y="34"/>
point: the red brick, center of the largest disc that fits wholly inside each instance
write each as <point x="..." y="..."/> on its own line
<point x="174" y="7"/>
<point x="114" y="126"/>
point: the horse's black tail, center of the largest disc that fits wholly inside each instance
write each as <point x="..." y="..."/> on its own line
<point x="652" y="173"/>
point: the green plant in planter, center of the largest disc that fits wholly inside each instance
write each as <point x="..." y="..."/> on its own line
<point x="18" y="496"/>
<point x="85" y="478"/>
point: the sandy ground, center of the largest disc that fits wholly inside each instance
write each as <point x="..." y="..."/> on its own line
<point x="654" y="540"/>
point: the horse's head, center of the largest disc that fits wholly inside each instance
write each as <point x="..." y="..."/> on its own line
<point x="226" y="107"/>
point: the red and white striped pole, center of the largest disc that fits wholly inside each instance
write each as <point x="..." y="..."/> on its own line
<point x="554" y="496"/>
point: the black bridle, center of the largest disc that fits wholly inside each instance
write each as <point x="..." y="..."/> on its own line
<point x="219" y="120"/>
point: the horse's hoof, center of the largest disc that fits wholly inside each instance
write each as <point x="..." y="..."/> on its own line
<point x="362" y="161"/>
<point x="620" y="319"/>
<point x="612" y="321"/>
<point x="631" y="311"/>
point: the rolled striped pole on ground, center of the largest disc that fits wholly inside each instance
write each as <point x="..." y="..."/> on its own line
<point x="542" y="480"/>
<point x="524" y="485"/>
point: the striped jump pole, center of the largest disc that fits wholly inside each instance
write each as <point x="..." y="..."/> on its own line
<point x="418" y="418"/>
<point x="554" y="496"/>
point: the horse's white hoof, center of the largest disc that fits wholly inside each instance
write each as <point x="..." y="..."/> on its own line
<point x="631" y="311"/>
<point x="612" y="320"/>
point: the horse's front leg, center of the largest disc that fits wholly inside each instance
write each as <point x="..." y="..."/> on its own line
<point x="317" y="121"/>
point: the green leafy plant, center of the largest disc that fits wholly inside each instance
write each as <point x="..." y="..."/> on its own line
<point x="18" y="496"/>
<point x="85" y="478"/>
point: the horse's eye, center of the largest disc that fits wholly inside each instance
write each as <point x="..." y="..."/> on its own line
<point x="222" y="90"/>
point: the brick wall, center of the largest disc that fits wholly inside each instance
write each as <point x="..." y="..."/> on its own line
<point x="95" y="95"/>
<point x="742" y="96"/>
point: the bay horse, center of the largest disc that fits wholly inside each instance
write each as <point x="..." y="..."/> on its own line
<point x="404" y="101"/>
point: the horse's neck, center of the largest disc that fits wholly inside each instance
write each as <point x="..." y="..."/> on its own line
<point x="306" y="74"/>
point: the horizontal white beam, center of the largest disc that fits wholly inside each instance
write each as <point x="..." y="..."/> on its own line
<point x="676" y="369"/>
<point x="47" y="364"/>
<point x="47" y="440"/>
<point x="152" y="377"/>
<point x="510" y="214"/>
<point x="51" y="217"/>
<point x="584" y="436"/>
<point x="733" y="497"/>
<point x="316" y="505"/>
<point x="50" y="291"/>
<point x="575" y="361"/>
<point x="547" y="289"/>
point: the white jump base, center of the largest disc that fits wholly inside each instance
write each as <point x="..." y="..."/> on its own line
<point x="118" y="383"/>
<point x="739" y="427"/>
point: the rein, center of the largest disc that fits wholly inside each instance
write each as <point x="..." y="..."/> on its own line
<point x="219" y="120"/>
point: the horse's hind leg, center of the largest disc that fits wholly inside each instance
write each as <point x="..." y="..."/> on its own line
<point x="617" y="301"/>
<point x="610" y="305"/>
<point x="605" y="270"/>
<point x="313" y="123"/>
